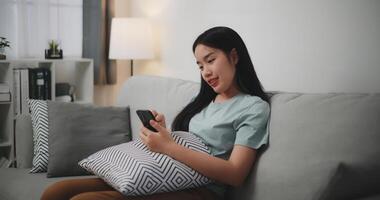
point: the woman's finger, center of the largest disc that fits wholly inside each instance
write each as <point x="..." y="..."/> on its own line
<point x="144" y="130"/>
<point x="157" y="126"/>
<point x="143" y="137"/>
<point x="154" y="112"/>
<point x="158" y="118"/>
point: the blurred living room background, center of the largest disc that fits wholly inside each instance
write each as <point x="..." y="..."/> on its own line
<point x="296" y="46"/>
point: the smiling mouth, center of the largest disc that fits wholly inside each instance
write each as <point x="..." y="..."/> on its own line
<point x="213" y="82"/>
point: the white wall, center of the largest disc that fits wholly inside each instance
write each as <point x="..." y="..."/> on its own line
<point x="296" y="45"/>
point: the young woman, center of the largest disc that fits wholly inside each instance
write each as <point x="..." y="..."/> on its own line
<point x="229" y="114"/>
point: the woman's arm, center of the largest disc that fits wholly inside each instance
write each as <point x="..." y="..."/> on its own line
<point x="232" y="171"/>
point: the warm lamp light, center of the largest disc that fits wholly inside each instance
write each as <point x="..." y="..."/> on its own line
<point x="131" y="38"/>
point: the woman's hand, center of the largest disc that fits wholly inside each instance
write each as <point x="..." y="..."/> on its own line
<point x="160" y="141"/>
<point x="159" y="117"/>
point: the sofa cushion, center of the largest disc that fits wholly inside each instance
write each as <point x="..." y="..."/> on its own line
<point x="132" y="169"/>
<point x="39" y="113"/>
<point x="24" y="140"/>
<point x="310" y="134"/>
<point x="78" y="130"/>
<point x="353" y="181"/>
<point x="19" y="184"/>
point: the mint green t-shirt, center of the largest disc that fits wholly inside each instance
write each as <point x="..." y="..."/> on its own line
<point x="241" y="120"/>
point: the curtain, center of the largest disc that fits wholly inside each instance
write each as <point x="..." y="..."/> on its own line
<point x="97" y="16"/>
<point x="30" y="24"/>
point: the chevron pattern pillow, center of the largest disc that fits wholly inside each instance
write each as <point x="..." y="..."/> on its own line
<point x="39" y="115"/>
<point x="134" y="170"/>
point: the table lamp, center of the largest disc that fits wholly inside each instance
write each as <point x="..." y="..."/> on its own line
<point x="131" y="38"/>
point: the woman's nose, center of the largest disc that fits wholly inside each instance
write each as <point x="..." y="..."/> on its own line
<point x="206" y="72"/>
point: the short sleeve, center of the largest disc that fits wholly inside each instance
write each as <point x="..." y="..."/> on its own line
<point x="251" y="126"/>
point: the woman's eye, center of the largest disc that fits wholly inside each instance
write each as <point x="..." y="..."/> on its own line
<point x="201" y="68"/>
<point x="210" y="61"/>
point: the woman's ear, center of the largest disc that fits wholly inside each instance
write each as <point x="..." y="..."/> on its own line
<point x="234" y="57"/>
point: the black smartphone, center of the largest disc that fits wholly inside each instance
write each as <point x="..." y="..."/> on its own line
<point x="145" y="116"/>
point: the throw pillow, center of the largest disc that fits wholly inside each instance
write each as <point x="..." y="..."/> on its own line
<point x="132" y="169"/>
<point x="39" y="115"/>
<point x="78" y="130"/>
<point x="353" y="181"/>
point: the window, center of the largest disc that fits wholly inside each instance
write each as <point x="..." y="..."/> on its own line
<point x="30" y="24"/>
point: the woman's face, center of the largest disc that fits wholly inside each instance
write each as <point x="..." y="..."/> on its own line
<point x="217" y="69"/>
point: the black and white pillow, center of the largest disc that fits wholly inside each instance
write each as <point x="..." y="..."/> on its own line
<point x="132" y="169"/>
<point x="39" y="114"/>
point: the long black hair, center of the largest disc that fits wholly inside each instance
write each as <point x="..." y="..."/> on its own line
<point x="224" y="39"/>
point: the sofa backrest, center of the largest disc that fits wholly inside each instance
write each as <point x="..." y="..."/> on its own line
<point x="310" y="134"/>
<point x="166" y="95"/>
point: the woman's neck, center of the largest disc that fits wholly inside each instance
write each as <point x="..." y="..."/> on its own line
<point x="226" y="95"/>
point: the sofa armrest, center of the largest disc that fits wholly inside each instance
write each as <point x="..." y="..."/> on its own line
<point x="24" y="141"/>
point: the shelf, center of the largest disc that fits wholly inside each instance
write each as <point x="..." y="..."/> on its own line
<point x="76" y="71"/>
<point x="74" y="59"/>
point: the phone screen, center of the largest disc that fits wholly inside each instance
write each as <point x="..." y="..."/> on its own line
<point x="145" y="116"/>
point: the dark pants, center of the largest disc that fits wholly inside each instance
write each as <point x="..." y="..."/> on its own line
<point x="97" y="189"/>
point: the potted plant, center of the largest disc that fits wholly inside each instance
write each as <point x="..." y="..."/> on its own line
<point x="53" y="52"/>
<point x="4" y="43"/>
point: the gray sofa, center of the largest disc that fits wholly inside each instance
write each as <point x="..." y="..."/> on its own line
<point x="310" y="136"/>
